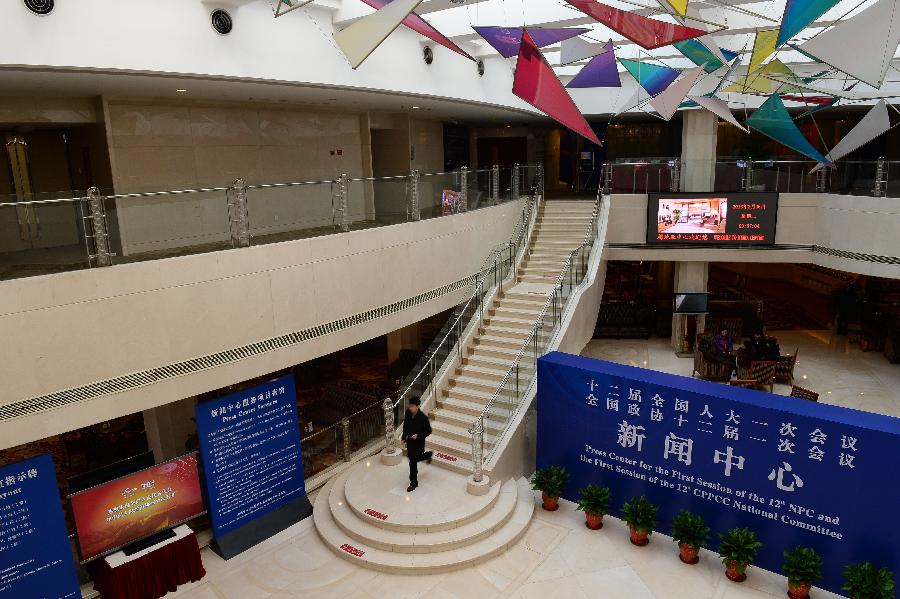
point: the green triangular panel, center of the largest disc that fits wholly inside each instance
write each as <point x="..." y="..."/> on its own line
<point x="772" y="119"/>
<point x="653" y="78"/>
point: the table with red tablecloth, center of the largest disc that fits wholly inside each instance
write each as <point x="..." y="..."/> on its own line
<point x="153" y="572"/>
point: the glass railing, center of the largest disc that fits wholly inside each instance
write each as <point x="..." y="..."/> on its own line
<point x="49" y="233"/>
<point x="508" y="399"/>
<point x="498" y="267"/>
<point x="879" y="178"/>
<point x="338" y="442"/>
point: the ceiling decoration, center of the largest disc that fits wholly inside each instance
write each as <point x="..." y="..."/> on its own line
<point x="800" y="13"/>
<point x="601" y="71"/>
<point x="853" y="44"/>
<point x="773" y="120"/>
<point x="536" y="83"/>
<point x="668" y="101"/>
<point x="361" y="38"/>
<point x="646" y="32"/>
<point x="506" y="40"/>
<point x="862" y="46"/>
<point x="422" y="27"/>
<point x="653" y="78"/>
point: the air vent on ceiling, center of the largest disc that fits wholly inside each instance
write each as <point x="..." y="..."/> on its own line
<point x="39" y="7"/>
<point x="428" y="55"/>
<point x="481" y="68"/>
<point x="221" y="21"/>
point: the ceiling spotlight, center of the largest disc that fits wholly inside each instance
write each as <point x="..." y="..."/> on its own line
<point x="181" y="91"/>
<point x="415" y="107"/>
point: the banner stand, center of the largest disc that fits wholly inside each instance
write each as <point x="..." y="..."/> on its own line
<point x="255" y="532"/>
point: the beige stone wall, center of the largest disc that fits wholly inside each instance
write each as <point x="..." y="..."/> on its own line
<point x="159" y="145"/>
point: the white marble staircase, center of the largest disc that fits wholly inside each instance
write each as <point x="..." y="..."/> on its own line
<point x="560" y="227"/>
<point x="367" y="517"/>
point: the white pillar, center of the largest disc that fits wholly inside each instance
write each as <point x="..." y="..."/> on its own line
<point x="698" y="150"/>
<point x="690" y="277"/>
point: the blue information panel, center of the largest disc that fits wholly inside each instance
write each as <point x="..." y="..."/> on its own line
<point x="250" y="447"/>
<point x="35" y="556"/>
<point x="794" y="471"/>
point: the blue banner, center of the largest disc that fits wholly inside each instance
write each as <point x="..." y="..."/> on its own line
<point x="250" y="449"/>
<point x="35" y="556"/>
<point x="794" y="471"/>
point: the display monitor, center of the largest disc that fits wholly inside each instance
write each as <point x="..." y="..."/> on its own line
<point x="691" y="303"/>
<point x="127" y="509"/>
<point x="713" y="219"/>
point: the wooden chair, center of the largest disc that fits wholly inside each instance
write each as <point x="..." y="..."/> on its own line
<point x="802" y="393"/>
<point x="784" y="373"/>
<point x="704" y="369"/>
<point x="763" y="372"/>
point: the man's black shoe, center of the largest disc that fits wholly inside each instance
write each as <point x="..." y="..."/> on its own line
<point x="411" y="488"/>
<point x="430" y="456"/>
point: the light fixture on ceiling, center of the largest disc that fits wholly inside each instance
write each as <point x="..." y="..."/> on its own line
<point x="221" y="21"/>
<point x="428" y="55"/>
<point x="40" y="7"/>
<point x="181" y="91"/>
<point x="415" y="107"/>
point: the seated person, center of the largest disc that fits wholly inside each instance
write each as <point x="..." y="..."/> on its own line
<point x="772" y="350"/>
<point x="757" y="346"/>
<point x="725" y="350"/>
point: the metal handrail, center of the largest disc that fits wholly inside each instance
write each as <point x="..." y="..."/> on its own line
<point x="483" y="276"/>
<point x="478" y="424"/>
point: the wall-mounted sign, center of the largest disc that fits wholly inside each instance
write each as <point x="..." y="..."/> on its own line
<point x="726" y="219"/>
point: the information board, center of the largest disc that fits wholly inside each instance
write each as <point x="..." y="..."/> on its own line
<point x="714" y="219"/>
<point x="796" y="472"/>
<point x="250" y="448"/>
<point x="35" y="555"/>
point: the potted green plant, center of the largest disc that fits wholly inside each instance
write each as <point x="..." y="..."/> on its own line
<point x="691" y="533"/>
<point x="802" y="566"/>
<point x="843" y="302"/>
<point x="738" y="550"/>
<point x="865" y="581"/>
<point x="593" y="501"/>
<point x="551" y="482"/>
<point x="640" y="516"/>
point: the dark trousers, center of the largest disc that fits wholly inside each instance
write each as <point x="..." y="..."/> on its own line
<point x="416" y="453"/>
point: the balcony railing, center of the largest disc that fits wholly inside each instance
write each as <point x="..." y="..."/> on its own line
<point x="56" y="232"/>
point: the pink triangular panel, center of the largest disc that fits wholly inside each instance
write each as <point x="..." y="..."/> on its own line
<point x="647" y="33"/>
<point x="536" y="83"/>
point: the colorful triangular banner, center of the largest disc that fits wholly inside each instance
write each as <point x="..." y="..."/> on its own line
<point x="506" y="40"/>
<point x="719" y="108"/>
<point x="601" y="71"/>
<point x="645" y="32"/>
<point x="653" y="78"/>
<point x="536" y="83"/>
<point x="773" y="120"/>
<point x="359" y="39"/>
<point x="666" y="103"/>
<point x="800" y="13"/>
<point x="423" y="27"/>
<point x="576" y="49"/>
<point x="699" y="54"/>
<point x="876" y="122"/>
<point x="863" y="46"/>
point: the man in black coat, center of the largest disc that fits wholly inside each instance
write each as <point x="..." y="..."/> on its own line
<point x="415" y="428"/>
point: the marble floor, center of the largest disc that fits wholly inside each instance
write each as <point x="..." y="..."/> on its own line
<point x="841" y="373"/>
<point x="558" y="556"/>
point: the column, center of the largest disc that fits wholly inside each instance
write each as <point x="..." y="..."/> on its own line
<point x="690" y="277"/>
<point x="698" y="150"/>
<point x="169" y="427"/>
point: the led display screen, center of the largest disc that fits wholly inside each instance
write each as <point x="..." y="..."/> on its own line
<point x="715" y="219"/>
<point x="119" y="512"/>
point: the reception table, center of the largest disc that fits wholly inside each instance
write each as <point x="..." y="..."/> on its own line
<point x="153" y="572"/>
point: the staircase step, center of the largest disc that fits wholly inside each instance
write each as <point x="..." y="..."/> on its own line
<point x="422" y="541"/>
<point x="457" y="430"/>
<point x="490" y="373"/>
<point x="502" y="337"/>
<point x="492" y="428"/>
<point x="493" y="362"/>
<point x="464" y="405"/>
<point x="495" y="352"/>
<point x="475" y="383"/>
<point x="502" y="537"/>
<point x="507" y="322"/>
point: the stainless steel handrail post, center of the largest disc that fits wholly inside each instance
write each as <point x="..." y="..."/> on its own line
<point x="98" y="230"/>
<point x="414" y="209"/>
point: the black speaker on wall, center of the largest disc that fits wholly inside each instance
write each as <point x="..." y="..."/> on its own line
<point x="221" y="21"/>
<point x="481" y="68"/>
<point x="39" y="7"/>
<point x="428" y="55"/>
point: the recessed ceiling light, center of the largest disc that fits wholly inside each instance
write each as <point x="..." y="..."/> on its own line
<point x="181" y="91"/>
<point x="415" y="107"/>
